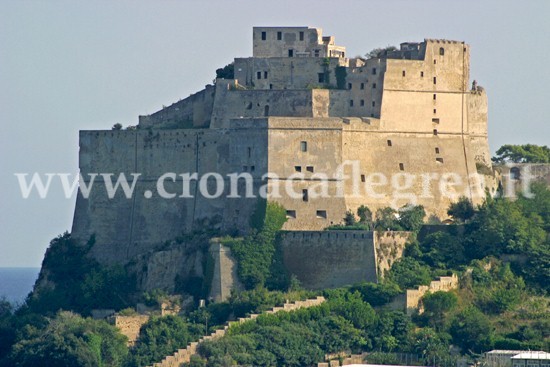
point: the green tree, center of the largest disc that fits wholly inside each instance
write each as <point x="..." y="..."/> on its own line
<point x="409" y="273"/>
<point x="462" y="210"/>
<point x="442" y="250"/>
<point x="471" y="330"/>
<point x="411" y="217"/>
<point x="365" y="216"/>
<point x="69" y="340"/>
<point x="436" y="306"/>
<point x="227" y="72"/>
<point x="387" y="220"/>
<point x="528" y="153"/>
<point x="349" y="219"/>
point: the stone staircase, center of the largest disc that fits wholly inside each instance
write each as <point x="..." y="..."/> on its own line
<point x="184" y="355"/>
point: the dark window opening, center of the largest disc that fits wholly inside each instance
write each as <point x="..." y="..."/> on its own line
<point x="363" y="178"/>
<point x="401" y="167"/>
<point x="291" y="213"/>
<point x="373" y="103"/>
<point x="298" y="168"/>
<point x="279" y="36"/>
<point x="373" y="71"/>
<point x="249" y="152"/>
<point x="265" y="74"/>
<point x="316" y="53"/>
<point x="303" y="146"/>
<point x="435" y="120"/>
<point x="435" y="110"/>
<point x="266" y="111"/>
<point x="264" y="36"/>
<point x="404" y="73"/>
<point x="301" y="36"/>
<point x="435" y="131"/>
<point x="351" y="102"/>
<point x="309" y="169"/>
<point x="435" y="80"/>
<point x="362" y="85"/>
<point x="389" y="143"/>
<point x="373" y="85"/>
<point x="515" y="173"/>
<point x="349" y="85"/>
<point x="252" y="168"/>
<point x="321" y="77"/>
<point x="270" y="86"/>
<point x="435" y="61"/>
<point x="362" y="102"/>
<point x="422" y="74"/>
<point x="440" y="160"/>
<point x="435" y="96"/>
<point x="305" y="196"/>
<point x="322" y="214"/>
<point x="259" y="75"/>
<point x="441" y="51"/>
<point x="437" y="150"/>
<point x="290" y="53"/>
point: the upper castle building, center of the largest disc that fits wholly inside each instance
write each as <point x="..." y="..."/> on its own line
<point x="403" y="127"/>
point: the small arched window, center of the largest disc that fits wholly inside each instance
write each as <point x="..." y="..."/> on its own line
<point x="441" y="51"/>
<point x="515" y="173"/>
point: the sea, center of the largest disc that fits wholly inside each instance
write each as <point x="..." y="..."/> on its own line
<point x="16" y="283"/>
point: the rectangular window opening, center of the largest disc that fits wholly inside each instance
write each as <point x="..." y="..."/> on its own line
<point x="298" y="168"/>
<point x="321" y="77"/>
<point x="373" y="85"/>
<point x="373" y="103"/>
<point x="316" y="53"/>
<point x="389" y="143"/>
<point x="309" y="169"/>
<point x="264" y="36"/>
<point x="349" y="85"/>
<point x="401" y="167"/>
<point x="301" y="36"/>
<point x="362" y="102"/>
<point x="373" y="71"/>
<point x="362" y="85"/>
<point x="440" y="160"/>
<point x="249" y="152"/>
<point x="322" y="214"/>
<point x="404" y="73"/>
<point x="270" y="86"/>
<point x="422" y="74"/>
<point x="435" y="131"/>
<point x="435" y="120"/>
<point x="252" y="168"/>
<point x="351" y="102"/>
<point x="265" y="74"/>
<point x="279" y="36"/>
<point x="435" y="111"/>
<point x="435" y="96"/>
<point x="363" y="178"/>
<point x="290" y="53"/>
<point x="435" y="80"/>
<point x="291" y="214"/>
<point x="305" y="195"/>
<point x="303" y="146"/>
<point x="259" y="75"/>
<point x="436" y="150"/>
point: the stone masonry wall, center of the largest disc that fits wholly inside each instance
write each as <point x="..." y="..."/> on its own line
<point x="129" y="326"/>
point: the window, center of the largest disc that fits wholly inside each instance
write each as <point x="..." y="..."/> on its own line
<point x="435" y="61"/>
<point x="305" y="196"/>
<point x="404" y="73"/>
<point x="265" y="74"/>
<point x="252" y="168"/>
<point x="266" y="110"/>
<point x="440" y="160"/>
<point x="279" y="36"/>
<point x="291" y="214"/>
<point x="270" y="86"/>
<point x="363" y="178"/>
<point x="316" y="53"/>
<point x="259" y="75"/>
<point x="301" y="36"/>
<point x="373" y="103"/>
<point x="422" y="74"/>
<point x="435" y="96"/>
<point x="362" y="102"/>
<point x="321" y="77"/>
<point x="435" y="110"/>
<point x="373" y="71"/>
<point x="515" y="174"/>
<point x="264" y="36"/>
<point x="373" y="85"/>
<point x="349" y="85"/>
<point x="441" y="51"/>
<point x="437" y="150"/>
<point x="435" y="80"/>
<point x="249" y="152"/>
<point x="435" y="131"/>
<point x="362" y="85"/>
<point x="309" y="169"/>
<point x="435" y="120"/>
<point x="389" y="143"/>
<point x="351" y="102"/>
<point x="322" y="214"/>
<point x="303" y="146"/>
<point x="290" y="53"/>
<point x="298" y="168"/>
<point x="401" y="167"/>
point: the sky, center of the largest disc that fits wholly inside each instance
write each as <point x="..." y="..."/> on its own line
<point x="77" y="65"/>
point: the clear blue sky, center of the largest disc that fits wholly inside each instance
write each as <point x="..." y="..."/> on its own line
<point x="72" y="65"/>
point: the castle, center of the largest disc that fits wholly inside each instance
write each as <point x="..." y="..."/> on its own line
<point x="398" y="128"/>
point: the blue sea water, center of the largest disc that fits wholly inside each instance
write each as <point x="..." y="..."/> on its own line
<point x="16" y="283"/>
